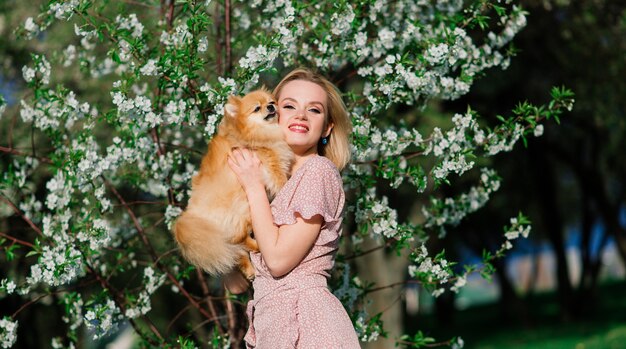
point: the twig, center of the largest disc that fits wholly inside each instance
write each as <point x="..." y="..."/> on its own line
<point x="232" y="318"/>
<point x="229" y="63"/>
<point x="57" y="291"/>
<point x="206" y="322"/>
<point x="153" y="254"/>
<point x="119" y="300"/>
<point x="140" y="202"/>
<point x="206" y="295"/>
<point x="32" y="139"/>
<point x="218" y="43"/>
<point x="373" y="249"/>
<point x="156" y="139"/>
<point x="187" y="295"/>
<point x="138" y="226"/>
<point x="13" y="121"/>
<point x="29" y="303"/>
<point x="170" y="15"/>
<point x="179" y="314"/>
<point x="17" y="210"/>
<point x="427" y="345"/>
<point x="399" y="283"/>
<point x="11" y="150"/>
<point x="18" y="241"/>
<point x="183" y="147"/>
<point x="131" y="2"/>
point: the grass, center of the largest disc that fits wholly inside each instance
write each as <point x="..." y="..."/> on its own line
<point x="481" y="327"/>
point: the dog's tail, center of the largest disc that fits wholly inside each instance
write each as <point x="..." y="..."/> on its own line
<point x="203" y="245"/>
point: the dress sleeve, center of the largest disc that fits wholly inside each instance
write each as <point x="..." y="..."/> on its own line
<point x="318" y="191"/>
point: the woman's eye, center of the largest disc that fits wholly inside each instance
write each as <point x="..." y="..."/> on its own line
<point x="257" y="109"/>
<point x="289" y="107"/>
<point x="314" y="110"/>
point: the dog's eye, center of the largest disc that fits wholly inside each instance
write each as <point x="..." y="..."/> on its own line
<point x="257" y="109"/>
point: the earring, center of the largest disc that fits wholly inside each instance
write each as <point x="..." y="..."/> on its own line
<point x="324" y="141"/>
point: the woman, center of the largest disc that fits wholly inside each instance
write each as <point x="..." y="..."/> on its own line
<point x="299" y="232"/>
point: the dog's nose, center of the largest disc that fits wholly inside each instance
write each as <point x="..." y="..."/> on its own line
<point x="271" y="108"/>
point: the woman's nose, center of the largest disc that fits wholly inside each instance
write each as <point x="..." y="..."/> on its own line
<point x="300" y="114"/>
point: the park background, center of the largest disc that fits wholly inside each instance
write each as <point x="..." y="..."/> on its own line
<point x="562" y="287"/>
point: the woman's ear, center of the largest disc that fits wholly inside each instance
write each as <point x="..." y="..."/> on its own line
<point x="329" y="128"/>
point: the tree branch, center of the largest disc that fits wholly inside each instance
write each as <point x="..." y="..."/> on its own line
<point x="119" y="300"/>
<point x="18" y="241"/>
<point x="153" y="254"/>
<point x="207" y="296"/>
<point x="218" y="42"/>
<point x="17" y="210"/>
<point x="11" y="150"/>
<point x="229" y="63"/>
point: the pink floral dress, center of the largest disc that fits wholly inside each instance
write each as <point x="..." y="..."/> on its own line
<point x="298" y="310"/>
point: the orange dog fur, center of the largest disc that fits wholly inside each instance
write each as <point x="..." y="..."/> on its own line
<point x="213" y="232"/>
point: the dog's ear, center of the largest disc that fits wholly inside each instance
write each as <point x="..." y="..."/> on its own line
<point x="232" y="106"/>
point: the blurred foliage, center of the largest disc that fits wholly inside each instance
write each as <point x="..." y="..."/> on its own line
<point x="570" y="182"/>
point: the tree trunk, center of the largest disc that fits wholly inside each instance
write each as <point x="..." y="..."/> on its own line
<point x="512" y="309"/>
<point x="383" y="270"/>
<point x="546" y="186"/>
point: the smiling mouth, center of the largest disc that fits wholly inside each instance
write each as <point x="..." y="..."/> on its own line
<point x="298" y="128"/>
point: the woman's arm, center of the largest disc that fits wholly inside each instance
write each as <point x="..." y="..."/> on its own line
<point x="282" y="247"/>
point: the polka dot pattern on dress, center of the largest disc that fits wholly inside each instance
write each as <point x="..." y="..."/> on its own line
<point x="298" y="310"/>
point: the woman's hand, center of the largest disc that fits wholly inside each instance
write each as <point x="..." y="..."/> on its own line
<point x="247" y="167"/>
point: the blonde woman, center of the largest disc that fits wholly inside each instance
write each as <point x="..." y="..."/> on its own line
<point x="298" y="233"/>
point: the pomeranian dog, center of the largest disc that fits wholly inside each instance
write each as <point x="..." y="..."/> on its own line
<point x="213" y="232"/>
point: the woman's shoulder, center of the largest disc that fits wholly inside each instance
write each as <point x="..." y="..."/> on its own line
<point x="322" y="164"/>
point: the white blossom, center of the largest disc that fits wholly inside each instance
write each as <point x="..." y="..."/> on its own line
<point x="8" y="332"/>
<point x="30" y="25"/>
<point x="64" y="9"/>
<point x="435" y="54"/>
<point x="150" y="68"/>
<point x="130" y="23"/>
<point x="203" y="44"/>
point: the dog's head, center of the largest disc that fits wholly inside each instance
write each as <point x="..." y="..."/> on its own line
<point x="252" y="115"/>
<point x="257" y="107"/>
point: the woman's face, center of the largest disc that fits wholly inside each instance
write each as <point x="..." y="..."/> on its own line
<point x="302" y="109"/>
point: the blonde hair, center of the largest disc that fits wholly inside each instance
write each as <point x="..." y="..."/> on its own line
<point x="337" y="149"/>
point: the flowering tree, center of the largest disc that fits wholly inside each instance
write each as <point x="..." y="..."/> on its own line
<point x="100" y="150"/>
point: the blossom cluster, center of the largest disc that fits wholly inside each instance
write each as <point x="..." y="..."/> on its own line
<point x="454" y="146"/>
<point x="350" y="289"/>
<point x="74" y="310"/>
<point x="368" y="329"/>
<point x="39" y="73"/>
<point x="436" y="272"/>
<point x="520" y="227"/>
<point x="7" y="286"/>
<point x="103" y="317"/>
<point x="8" y="332"/>
<point x="451" y="210"/>
<point x="382" y="218"/>
<point x="431" y="271"/>
<point x="142" y="304"/>
<point x="3" y="106"/>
